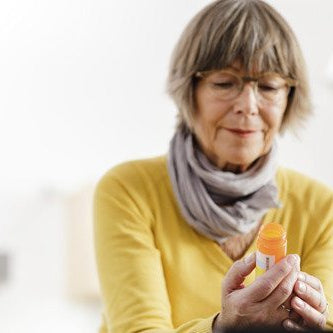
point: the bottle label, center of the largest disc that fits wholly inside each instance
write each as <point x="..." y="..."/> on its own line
<point x="263" y="262"/>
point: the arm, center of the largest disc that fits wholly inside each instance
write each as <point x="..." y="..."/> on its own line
<point x="129" y="265"/>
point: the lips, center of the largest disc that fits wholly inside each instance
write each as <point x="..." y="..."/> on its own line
<point x="242" y="132"/>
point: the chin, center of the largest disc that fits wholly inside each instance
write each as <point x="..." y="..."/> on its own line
<point x="243" y="163"/>
<point x="241" y="157"/>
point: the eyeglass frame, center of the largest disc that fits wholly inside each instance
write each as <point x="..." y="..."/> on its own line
<point x="290" y="83"/>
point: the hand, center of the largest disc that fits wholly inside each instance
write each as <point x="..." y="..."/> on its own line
<point x="309" y="302"/>
<point x="260" y="302"/>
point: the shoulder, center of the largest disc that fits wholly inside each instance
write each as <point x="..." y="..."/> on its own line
<point x="131" y="187"/>
<point x="135" y="174"/>
<point x="299" y="187"/>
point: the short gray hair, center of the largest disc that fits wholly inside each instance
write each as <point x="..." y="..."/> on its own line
<point x="249" y="31"/>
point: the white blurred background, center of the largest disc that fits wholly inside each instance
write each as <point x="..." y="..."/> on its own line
<point x="82" y="86"/>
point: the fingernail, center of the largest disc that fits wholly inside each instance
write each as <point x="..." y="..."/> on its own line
<point x="288" y="325"/>
<point x="292" y="259"/>
<point x="301" y="287"/>
<point x="249" y="259"/>
<point x="301" y="277"/>
<point x="299" y="302"/>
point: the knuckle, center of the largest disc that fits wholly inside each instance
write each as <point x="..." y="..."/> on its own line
<point x="242" y="306"/>
<point x="320" y="286"/>
<point x="238" y="264"/>
<point x="306" y="307"/>
<point x="304" y="276"/>
<point x="267" y="285"/>
<point x="234" y="269"/>
<point x="284" y="269"/>
<point x="305" y="289"/>
<point x="285" y="289"/>
<point x="317" y="283"/>
<point x="320" y="304"/>
<point x="321" y="321"/>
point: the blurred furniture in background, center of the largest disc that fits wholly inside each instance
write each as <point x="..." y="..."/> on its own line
<point x="82" y="282"/>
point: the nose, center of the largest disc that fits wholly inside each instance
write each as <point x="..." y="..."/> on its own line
<point x="247" y="101"/>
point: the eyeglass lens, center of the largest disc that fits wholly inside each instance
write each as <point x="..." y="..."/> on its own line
<point x="269" y="87"/>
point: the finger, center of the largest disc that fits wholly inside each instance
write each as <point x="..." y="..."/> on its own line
<point x="295" y="317"/>
<point x="311" y="296"/>
<point x="266" y="283"/>
<point x="310" y="280"/>
<point x="238" y="272"/>
<point x="312" y="317"/>
<point x="297" y="264"/>
<point x="290" y="325"/>
<point x="283" y="291"/>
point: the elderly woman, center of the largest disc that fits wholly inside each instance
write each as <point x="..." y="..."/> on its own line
<point x="169" y="230"/>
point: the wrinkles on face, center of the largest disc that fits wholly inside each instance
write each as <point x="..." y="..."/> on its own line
<point x="235" y="133"/>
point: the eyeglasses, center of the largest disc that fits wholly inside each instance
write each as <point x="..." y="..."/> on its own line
<point x="227" y="84"/>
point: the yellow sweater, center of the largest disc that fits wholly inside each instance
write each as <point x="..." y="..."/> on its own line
<point x="157" y="274"/>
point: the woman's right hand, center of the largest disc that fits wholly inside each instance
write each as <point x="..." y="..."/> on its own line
<point x="259" y="303"/>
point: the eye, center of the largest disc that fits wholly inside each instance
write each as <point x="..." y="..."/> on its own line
<point x="225" y="84"/>
<point x="268" y="87"/>
<point x="270" y="83"/>
<point x="224" y="81"/>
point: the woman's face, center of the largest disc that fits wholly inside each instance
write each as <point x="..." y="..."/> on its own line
<point x="233" y="133"/>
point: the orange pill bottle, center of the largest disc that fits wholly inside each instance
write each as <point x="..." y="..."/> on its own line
<point x="271" y="246"/>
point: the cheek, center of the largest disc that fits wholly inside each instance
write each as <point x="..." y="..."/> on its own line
<point x="273" y="119"/>
<point x="204" y="132"/>
<point x="208" y="117"/>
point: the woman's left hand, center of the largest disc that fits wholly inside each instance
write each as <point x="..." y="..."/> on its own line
<point x="309" y="302"/>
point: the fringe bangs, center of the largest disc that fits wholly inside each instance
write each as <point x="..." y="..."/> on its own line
<point x="249" y="38"/>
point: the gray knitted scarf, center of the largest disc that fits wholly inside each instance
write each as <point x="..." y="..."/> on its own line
<point x="215" y="203"/>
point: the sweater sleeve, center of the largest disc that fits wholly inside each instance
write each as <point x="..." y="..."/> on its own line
<point x="129" y="265"/>
<point x="318" y="251"/>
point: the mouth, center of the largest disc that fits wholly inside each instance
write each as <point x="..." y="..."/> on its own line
<point x="243" y="133"/>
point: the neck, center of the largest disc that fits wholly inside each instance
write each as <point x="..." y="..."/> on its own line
<point x="227" y="166"/>
<point x="234" y="168"/>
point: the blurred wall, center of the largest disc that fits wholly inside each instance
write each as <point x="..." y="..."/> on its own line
<point x="82" y="88"/>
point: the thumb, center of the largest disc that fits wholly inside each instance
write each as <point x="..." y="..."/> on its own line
<point x="238" y="272"/>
